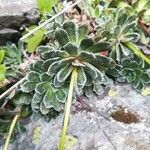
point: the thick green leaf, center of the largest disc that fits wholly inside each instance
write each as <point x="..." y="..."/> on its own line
<point x="121" y="19"/>
<point x="133" y="65"/>
<point x="13" y="54"/>
<point x="130" y="19"/>
<point x="62" y="37"/>
<point x="90" y="70"/>
<point x="124" y="72"/>
<point x="37" y="98"/>
<point x="42" y="49"/>
<point x="99" y="74"/>
<point x="28" y="87"/>
<point x="37" y="66"/>
<point x="145" y="78"/>
<point x="57" y="83"/>
<point x="86" y="43"/>
<point x="43" y="109"/>
<point x="33" y="77"/>
<point x="125" y="50"/>
<point x="125" y="62"/>
<point x="89" y="80"/>
<point x="22" y="99"/>
<point x="97" y="88"/>
<point x="55" y="53"/>
<point x="55" y="67"/>
<point x="118" y="53"/>
<point x="2" y="72"/>
<point x="46" y="5"/>
<point x="104" y="62"/>
<point x="131" y="37"/>
<point x="71" y="49"/>
<point x="45" y="77"/>
<point x="82" y="32"/>
<point x="51" y="103"/>
<point x="78" y="89"/>
<point x="128" y="27"/>
<point x="81" y="80"/>
<point x="113" y="72"/>
<point x="25" y="112"/>
<point x="2" y="54"/>
<point x="64" y="73"/>
<point x="98" y="47"/>
<point x="70" y="27"/>
<point x="34" y="41"/>
<point x="89" y="91"/>
<point x="35" y="105"/>
<point x="49" y="98"/>
<point x="47" y="63"/>
<point x="42" y="87"/>
<point x="136" y="51"/>
<point x="61" y="95"/>
<point x="86" y="56"/>
<point x="138" y="85"/>
<point x="131" y="77"/>
<point x="56" y="105"/>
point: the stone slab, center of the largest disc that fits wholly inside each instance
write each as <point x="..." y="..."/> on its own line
<point x="95" y="130"/>
<point x="14" y="14"/>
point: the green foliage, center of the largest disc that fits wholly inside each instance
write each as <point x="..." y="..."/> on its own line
<point x="139" y="8"/>
<point x="49" y="77"/>
<point x="2" y="54"/>
<point x="2" y="72"/>
<point x="33" y="41"/>
<point x="45" y="6"/>
<point x="12" y="59"/>
<point x="5" y="122"/>
<point x="134" y="70"/>
<point x="13" y="54"/>
<point x="137" y="52"/>
<point x="2" y="66"/>
<point x="93" y="8"/>
<point x="116" y="27"/>
<point x="71" y="49"/>
<point x="4" y="127"/>
<point x="41" y="35"/>
<point x="56" y="23"/>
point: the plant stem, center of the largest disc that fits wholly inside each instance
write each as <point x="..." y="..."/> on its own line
<point x="12" y="126"/>
<point x="12" y="88"/>
<point x="49" y="20"/>
<point x="67" y="109"/>
<point x="137" y="51"/>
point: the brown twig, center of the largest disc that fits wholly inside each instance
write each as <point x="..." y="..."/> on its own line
<point x="144" y="27"/>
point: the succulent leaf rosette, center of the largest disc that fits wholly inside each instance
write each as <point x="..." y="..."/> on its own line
<point x="135" y="71"/>
<point x="117" y="28"/>
<point x="49" y="77"/>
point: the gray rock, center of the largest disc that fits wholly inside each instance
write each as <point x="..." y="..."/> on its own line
<point x="7" y="34"/>
<point x="96" y="130"/>
<point x="14" y="14"/>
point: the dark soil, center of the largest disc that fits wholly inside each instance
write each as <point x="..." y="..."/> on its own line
<point x="125" y="116"/>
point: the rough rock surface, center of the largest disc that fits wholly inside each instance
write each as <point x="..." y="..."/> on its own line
<point x="6" y="34"/>
<point x="14" y="13"/>
<point x="95" y="129"/>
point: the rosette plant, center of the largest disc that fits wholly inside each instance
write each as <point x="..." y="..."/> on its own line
<point x="135" y="71"/>
<point x="13" y="58"/>
<point x="71" y="67"/>
<point x="118" y="28"/>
